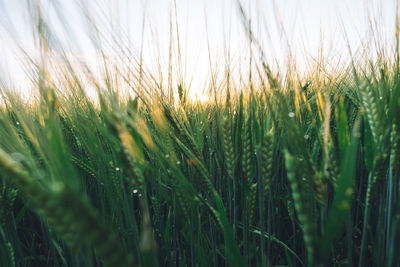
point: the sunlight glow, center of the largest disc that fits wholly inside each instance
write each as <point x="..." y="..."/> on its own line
<point x="195" y="39"/>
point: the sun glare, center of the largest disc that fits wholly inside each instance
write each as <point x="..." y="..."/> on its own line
<point x="202" y="98"/>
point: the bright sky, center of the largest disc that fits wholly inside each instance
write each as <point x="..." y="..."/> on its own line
<point x="202" y="24"/>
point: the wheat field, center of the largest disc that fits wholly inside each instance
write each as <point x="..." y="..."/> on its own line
<point x="276" y="170"/>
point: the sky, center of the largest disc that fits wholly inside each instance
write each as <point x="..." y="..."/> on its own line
<point x="211" y="32"/>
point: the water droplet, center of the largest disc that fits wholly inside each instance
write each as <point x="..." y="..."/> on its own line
<point x="117" y="169"/>
<point x="135" y="191"/>
<point x="17" y="123"/>
<point x="291" y="114"/>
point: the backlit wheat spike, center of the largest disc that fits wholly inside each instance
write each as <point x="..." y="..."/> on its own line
<point x="228" y="147"/>
<point x="307" y="224"/>
<point x="247" y="152"/>
<point x="371" y="111"/>
<point x="267" y="152"/>
<point x="163" y="127"/>
<point x="132" y="152"/>
<point x="248" y="168"/>
<point x="83" y="166"/>
<point x="333" y="168"/>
